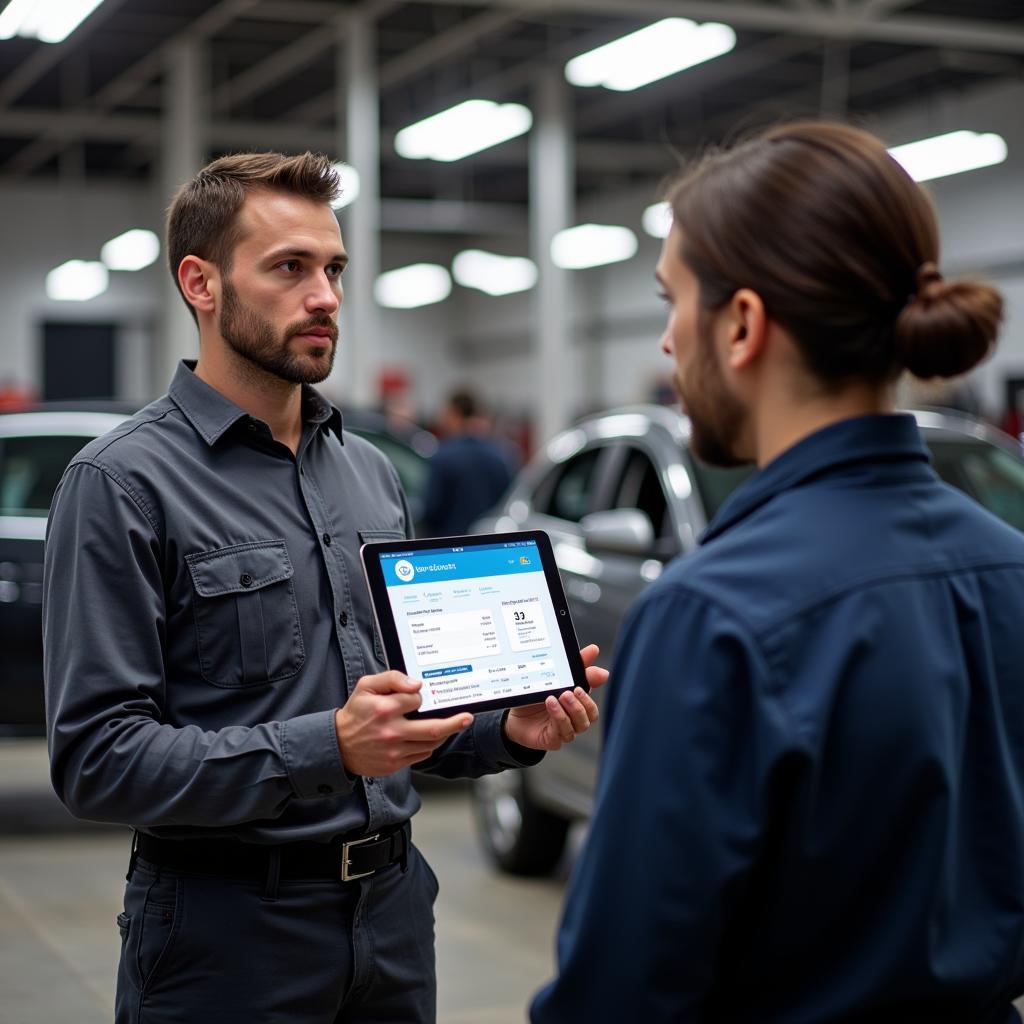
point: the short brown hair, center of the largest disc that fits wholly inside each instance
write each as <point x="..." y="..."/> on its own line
<point x="841" y="245"/>
<point x="202" y="219"/>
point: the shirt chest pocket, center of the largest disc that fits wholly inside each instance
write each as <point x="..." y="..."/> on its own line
<point x="247" y="621"/>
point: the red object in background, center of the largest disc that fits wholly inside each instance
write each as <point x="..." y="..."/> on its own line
<point x="16" y="397"/>
<point x="1012" y="423"/>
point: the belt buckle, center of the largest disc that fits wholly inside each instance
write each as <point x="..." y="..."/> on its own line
<point x="349" y="876"/>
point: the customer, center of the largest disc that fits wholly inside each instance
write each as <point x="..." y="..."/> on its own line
<point x="212" y="674"/>
<point x="811" y="802"/>
<point x="469" y="472"/>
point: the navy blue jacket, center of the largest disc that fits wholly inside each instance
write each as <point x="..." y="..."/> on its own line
<point x="468" y="474"/>
<point x="811" y="799"/>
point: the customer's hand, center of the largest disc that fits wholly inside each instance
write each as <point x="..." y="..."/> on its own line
<point x="375" y="737"/>
<point x="559" y="720"/>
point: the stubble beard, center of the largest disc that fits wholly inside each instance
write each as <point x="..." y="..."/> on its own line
<point x="257" y="342"/>
<point x="716" y="415"/>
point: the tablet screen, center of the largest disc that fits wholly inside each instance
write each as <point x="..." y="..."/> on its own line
<point x="476" y="622"/>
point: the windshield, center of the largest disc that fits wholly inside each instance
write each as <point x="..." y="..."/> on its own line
<point x="31" y="468"/>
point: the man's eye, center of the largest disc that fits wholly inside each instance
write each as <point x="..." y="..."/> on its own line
<point x="289" y="265"/>
<point x="335" y="270"/>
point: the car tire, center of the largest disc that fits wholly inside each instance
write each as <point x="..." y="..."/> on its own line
<point x="520" y="837"/>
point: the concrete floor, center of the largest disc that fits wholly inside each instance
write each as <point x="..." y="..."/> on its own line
<point x="61" y="885"/>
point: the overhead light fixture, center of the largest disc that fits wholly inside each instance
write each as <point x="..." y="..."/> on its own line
<point x="952" y="153"/>
<point x="420" y="284"/>
<point x="592" y="245"/>
<point x="349" y="185"/>
<point x="463" y="129"/>
<point x="49" y="21"/>
<point x="657" y="51"/>
<point x="494" y="274"/>
<point x="657" y="220"/>
<point x="77" y="281"/>
<point x="132" y="250"/>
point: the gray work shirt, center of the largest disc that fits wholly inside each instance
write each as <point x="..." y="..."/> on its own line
<point x="204" y="615"/>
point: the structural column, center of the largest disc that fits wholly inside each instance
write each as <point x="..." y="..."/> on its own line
<point x="182" y="153"/>
<point x="552" y="194"/>
<point x="355" y="374"/>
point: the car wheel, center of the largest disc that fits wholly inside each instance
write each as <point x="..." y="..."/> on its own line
<point x="520" y="837"/>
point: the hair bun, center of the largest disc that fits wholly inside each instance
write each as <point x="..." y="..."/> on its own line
<point x="947" y="327"/>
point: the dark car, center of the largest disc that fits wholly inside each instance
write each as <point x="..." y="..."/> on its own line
<point x="35" y="448"/>
<point x="620" y="495"/>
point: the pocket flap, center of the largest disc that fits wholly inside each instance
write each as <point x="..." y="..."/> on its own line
<point x="240" y="568"/>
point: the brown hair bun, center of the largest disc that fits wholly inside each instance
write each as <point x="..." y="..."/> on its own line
<point x="947" y="327"/>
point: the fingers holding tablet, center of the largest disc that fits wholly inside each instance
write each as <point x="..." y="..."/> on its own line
<point x="374" y="735"/>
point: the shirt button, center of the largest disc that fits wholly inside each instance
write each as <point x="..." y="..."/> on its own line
<point x="245" y="579"/>
<point x="343" y="618"/>
<point x="253" y="427"/>
<point x="325" y="789"/>
<point x="370" y="780"/>
<point x="327" y="540"/>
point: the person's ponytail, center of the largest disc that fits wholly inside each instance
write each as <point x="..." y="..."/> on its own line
<point x="946" y="327"/>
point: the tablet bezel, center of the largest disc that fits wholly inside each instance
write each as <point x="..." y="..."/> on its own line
<point x="385" y="621"/>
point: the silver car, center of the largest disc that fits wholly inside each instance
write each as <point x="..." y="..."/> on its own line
<point x="620" y="495"/>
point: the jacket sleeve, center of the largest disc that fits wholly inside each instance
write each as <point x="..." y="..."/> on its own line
<point x="112" y="756"/>
<point x="680" y="809"/>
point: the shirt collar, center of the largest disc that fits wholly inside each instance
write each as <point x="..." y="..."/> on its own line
<point x="892" y="437"/>
<point x="213" y="415"/>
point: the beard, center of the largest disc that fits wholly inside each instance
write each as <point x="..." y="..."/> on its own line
<point x="716" y="415"/>
<point x="259" y="344"/>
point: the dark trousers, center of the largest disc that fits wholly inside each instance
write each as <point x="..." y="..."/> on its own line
<point x="198" y="949"/>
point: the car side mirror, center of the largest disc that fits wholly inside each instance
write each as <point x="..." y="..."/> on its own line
<point x="619" y="531"/>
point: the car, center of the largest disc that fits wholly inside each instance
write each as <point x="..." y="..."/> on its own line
<point x="620" y="495"/>
<point x="35" y="448"/>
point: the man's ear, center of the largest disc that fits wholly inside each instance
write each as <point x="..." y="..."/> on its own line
<point x="747" y="328"/>
<point x="200" y="283"/>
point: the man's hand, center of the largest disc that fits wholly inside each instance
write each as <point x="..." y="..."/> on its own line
<point x="375" y="737"/>
<point x="558" y="720"/>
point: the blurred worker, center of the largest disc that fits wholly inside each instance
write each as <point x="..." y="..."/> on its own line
<point x="469" y="472"/>
<point x="811" y="800"/>
<point x="211" y="673"/>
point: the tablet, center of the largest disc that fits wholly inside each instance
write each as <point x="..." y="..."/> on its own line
<point x="482" y="620"/>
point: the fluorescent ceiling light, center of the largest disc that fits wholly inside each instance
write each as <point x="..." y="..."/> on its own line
<point x="494" y="274"/>
<point x="420" y="284"/>
<point x="47" y="20"/>
<point x="133" y="250"/>
<point x="349" y="185"/>
<point x="77" y="281"/>
<point x="657" y="51"/>
<point x="657" y="220"/>
<point x="463" y="129"/>
<point x="952" y="153"/>
<point x="592" y="245"/>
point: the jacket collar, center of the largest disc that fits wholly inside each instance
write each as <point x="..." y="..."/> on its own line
<point x="213" y="415"/>
<point x="888" y="438"/>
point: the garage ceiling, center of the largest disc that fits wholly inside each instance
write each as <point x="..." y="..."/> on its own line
<point x="91" y="106"/>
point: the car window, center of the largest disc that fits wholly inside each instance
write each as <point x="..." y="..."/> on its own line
<point x="31" y="468"/>
<point x="640" y="487"/>
<point x="988" y="474"/>
<point x="567" y="491"/>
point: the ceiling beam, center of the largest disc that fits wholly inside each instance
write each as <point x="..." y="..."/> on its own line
<point x="852" y="24"/>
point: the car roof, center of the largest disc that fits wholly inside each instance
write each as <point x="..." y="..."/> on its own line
<point x="52" y="422"/>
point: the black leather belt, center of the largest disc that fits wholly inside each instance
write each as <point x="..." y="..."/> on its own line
<point x="357" y="858"/>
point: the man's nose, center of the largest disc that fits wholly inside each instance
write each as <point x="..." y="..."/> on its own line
<point x="325" y="296"/>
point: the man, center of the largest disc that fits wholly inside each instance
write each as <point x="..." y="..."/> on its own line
<point x="468" y="473"/>
<point x="810" y="801"/>
<point x="212" y="674"/>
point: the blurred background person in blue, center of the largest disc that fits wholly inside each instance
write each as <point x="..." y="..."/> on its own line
<point x="810" y="800"/>
<point x="470" y="470"/>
